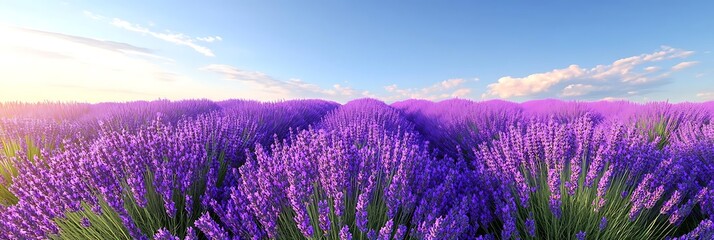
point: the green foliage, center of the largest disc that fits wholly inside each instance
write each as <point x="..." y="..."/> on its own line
<point x="106" y="225"/>
<point x="657" y="130"/>
<point x="148" y="219"/>
<point x="580" y="214"/>
<point x="10" y="148"/>
<point x="154" y="217"/>
<point x="376" y="215"/>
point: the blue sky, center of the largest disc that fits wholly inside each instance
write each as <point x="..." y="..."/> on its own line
<point x="267" y="50"/>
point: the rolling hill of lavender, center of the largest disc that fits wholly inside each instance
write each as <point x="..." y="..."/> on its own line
<point x="314" y="169"/>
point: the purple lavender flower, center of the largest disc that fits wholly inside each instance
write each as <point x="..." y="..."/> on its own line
<point x="654" y="197"/>
<point x="602" y="186"/>
<point x="210" y="228"/>
<point x="554" y="184"/>
<point x="85" y="222"/>
<point x="603" y="223"/>
<point x="681" y="212"/>
<point x="386" y="232"/>
<point x="401" y="232"/>
<point x="531" y="227"/>
<point x="705" y="230"/>
<point x="324" y="210"/>
<point x="640" y="196"/>
<point x="345" y="233"/>
<point x="361" y="215"/>
<point x="669" y="205"/>
<point x="191" y="234"/>
<point x="583" y="138"/>
<point x="580" y="235"/>
<point x="486" y="237"/>
<point x="164" y="234"/>
<point x="372" y="235"/>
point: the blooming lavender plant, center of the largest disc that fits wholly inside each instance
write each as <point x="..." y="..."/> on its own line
<point x="133" y="182"/>
<point x="319" y="170"/>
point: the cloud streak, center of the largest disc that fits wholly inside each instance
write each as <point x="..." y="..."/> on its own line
<point x="106" y="45"/>
<point x="40" y="65"/>
<point x="210" y="39"/>
<point x="575" y="90"/>
<point x="684" y="65"/>
<point x="175" y="38"/>
<point x="450" y="88"/>
<point x="276" y="88"/>
<point x="617" y="79"/>
<point x="706" y="95"/>
<point x="93" y="15"/>
<point x="271" y="88"/>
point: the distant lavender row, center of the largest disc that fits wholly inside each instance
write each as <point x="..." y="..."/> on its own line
<point x="312" y="169"/>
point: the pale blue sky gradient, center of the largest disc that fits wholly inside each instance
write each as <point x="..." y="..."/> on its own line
<point x="340" y="50"/>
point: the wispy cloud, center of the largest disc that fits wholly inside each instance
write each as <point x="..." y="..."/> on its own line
<point x="103" y="44"/>
<point x="40" y="65"/>
<point x="175" y="38"/>
<point x="119" y="47"/>
<point x="575" y="90"/>
<point x="93" y="15"/>
<point x="276" y="88"/>
<point x="651" y="68"/>
<point x="210" y="39"/>
<point x="613" y="99"/>
<point x="273" y="88"/>
<point x="683" y="65"/>
<point x="168" y="36"/>
<point x="616" y="79"/>
<point x="450" y="88"/>
<point x="706" y="95"/>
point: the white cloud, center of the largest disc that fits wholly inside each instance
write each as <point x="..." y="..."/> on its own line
<point x="175" y="38"/>
<point x="391" y="88"/>
<point x="683" y="65"/>
<point x="277" y="89"/>
<point x="38" y="66"/>
<point x="446" y="84"/>
<point x="706" y="95"/>
<point x="651" y="69"/>
<point x="575" y="90"/>
<point x="610" y="99"/>
<point x="441" y="90"/>
<point x="369" y="94"/>
<point x="507" y="87"/>
<point x="574" y="81"/>
<point x="93" y="15"/>
<point x="210" y="39"/>
<point x="461" y="93"/>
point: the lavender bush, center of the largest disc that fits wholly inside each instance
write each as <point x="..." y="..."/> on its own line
<point x="311" y="169"/>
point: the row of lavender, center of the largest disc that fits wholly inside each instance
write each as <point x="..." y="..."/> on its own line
<point x="602" y="170"/>
<point x="113" y="157"/>
<point x="365" y="170"/>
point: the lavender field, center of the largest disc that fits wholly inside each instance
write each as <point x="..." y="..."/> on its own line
<point x="314" y="169"/>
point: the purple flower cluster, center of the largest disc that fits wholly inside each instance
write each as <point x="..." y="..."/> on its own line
<point x="460" y="124"/>
<point x="328" y="167"/>
<point x="415" y="169"/>
<point x="118" y="164"/>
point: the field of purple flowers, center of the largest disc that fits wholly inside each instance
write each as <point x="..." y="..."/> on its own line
<point x="312" y="169"/>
